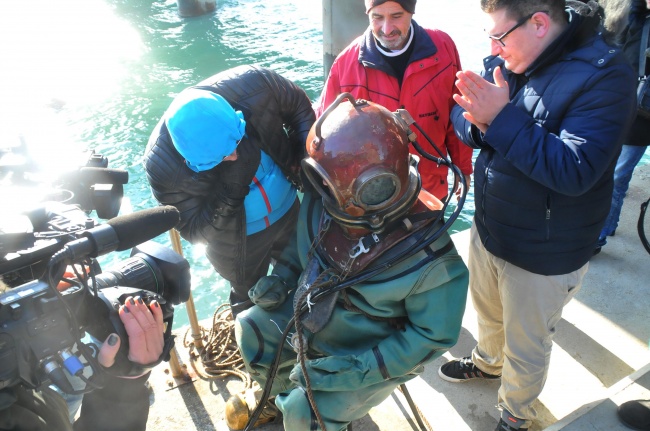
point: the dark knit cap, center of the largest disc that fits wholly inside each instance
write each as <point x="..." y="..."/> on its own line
<point x="408" y="5"/>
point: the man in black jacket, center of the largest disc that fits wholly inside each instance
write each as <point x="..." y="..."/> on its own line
<point x="227" y="155"/>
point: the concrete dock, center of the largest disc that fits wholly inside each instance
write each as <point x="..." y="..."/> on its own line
<point x="600" y="358"/>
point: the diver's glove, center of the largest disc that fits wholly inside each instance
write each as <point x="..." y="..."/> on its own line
<point x="269" y="292"/>
<point x="338" y="373"/>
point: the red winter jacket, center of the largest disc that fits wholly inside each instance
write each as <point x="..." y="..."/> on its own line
<point x="425" y="93"/>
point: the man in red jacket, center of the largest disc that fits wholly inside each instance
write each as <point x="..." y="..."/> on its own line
<point x="399" y="64"/>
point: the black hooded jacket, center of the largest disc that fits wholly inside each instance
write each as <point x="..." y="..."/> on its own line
<point x="278" y="118"/>
<point x="631" y="44"/>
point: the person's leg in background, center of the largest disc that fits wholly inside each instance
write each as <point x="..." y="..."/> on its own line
<point x="627" y="161"/>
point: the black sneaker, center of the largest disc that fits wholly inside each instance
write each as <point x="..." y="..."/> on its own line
<point x="462" y="370"/>
<point x="635" y="414"/>
<point x="503" y="426"/>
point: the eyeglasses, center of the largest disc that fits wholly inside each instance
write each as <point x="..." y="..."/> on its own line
<point x="519" y="23"/>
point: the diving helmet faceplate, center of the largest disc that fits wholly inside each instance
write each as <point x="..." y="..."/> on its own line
<point x="359" y="162"/>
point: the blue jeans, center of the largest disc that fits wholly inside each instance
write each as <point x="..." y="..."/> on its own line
<point x="627" y="161"/>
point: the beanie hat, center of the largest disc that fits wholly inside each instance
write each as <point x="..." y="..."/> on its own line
<point x="408" y="5"/>
<point x="204" y="128"/>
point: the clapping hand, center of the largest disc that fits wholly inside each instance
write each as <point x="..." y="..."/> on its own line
<point x="481" y="99"/>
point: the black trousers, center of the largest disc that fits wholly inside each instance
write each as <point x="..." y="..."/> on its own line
<point x="262" y="249"/>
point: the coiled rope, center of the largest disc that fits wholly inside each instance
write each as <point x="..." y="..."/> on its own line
<point x="219" y="357"/>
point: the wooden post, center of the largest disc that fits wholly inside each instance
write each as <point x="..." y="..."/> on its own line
<point x="174" y="363"/>
<point x="191" y="311"/>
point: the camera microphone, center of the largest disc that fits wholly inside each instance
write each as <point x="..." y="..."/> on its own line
<point x="121" y="233"/>
<point x="138" y="227"/>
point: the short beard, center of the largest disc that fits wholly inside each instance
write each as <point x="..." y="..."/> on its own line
<point x="393" y="45"/>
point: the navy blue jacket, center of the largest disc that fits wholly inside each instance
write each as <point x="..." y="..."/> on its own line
<point x="543" y="178"/>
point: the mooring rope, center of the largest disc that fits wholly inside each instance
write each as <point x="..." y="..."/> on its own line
<point x="219" y="357"/>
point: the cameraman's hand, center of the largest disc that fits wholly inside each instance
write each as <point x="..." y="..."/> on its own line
<point x="145" y="327"/>
<point x="70" y="273"/>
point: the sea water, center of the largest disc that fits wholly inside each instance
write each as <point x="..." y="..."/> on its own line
<point x="98" y="74"/>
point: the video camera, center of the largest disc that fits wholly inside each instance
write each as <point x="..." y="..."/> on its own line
<point x="41" y="328"/>
<point x="89" y="184"/>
